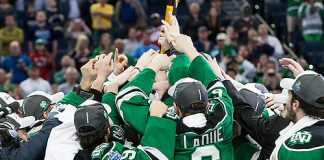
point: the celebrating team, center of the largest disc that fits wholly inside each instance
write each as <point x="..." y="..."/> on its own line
<point x="179" y="105"/>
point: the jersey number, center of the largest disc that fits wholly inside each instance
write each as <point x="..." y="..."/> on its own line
<point x="208" y="152"/>
<point x="218" y="92"/>
<point x="129" y="154"/>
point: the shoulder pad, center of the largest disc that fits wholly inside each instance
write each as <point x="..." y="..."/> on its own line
<point x="107" y="151"/>
<point x="308" y="138"/>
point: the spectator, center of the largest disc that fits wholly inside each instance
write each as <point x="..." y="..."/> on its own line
<point x="119" y="44"/>
<point x="20" y="8"/>
<point x="221" y="50"/>
<point x="56" y="19"/>
<point x="35" y="83"/>
<point x="189" y="2"/>
<point x="17" y="92"/>
<point x="292" y="17"/>
<point x="85" y="7"/>
<point x="81" y="51"/>
<point x="232" y="68"/>
<point x="203" y="44"/>
<point x="42" y="31"/>
<point x="244" y="23"/>
<point x="105" y="45"/>
<point x="144" y="46"/>
<point x="271" y="77"/>
<point x="194" y="21"/>
<point x="66" y="62"/>
<point x="17" y="62"/>
<point x="220" y="43"/>
<point x="10" y="33"/>
<point x="43" y="60"/>
<point x="262" y="65"/>
<point x="255" y="48"/>
<point x="20" y="5"/>
<point x="101" y="14"/>
<point x="312" y="14"/>
<point x="5" y="81"/>
<point x="5" y="9"/>
<point x="40" y="4"/>
<point x="54" y="88"/>
<point x="155" y="28"/>
<point x="130" y="13"/>
<point x="214" y="23"/>
<point x="231" y="72"/>
<point x="270" y="40"/>
<point x="75" y="29"/>
<point x="29" y="17"/>
<point x="268" y="73"/>
<point x="232" y="38"/>
<point x="246" y="68"/>
<point x="131" y="43"/>
<point x="253" y="36"/>
<point x="217" y="5"/>
<point x="71" y="76"/>
<point x="71" y="8"/>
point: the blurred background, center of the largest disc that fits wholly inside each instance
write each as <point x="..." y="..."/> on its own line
<point x="43" y="43"/>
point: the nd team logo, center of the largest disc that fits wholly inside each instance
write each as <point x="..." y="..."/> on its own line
<point x="300" y="137"/>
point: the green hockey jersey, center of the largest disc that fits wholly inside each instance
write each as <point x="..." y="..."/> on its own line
<point x="157" y="143"/>
<point x="308" y="143"/>
<point x="109" y="99"/>
<point x="243" y="148"/>
<point x="72" y="99"/>
<point x="213" y="141"/>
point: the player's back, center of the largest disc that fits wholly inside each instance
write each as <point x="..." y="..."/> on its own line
<point x="211" y="142"/>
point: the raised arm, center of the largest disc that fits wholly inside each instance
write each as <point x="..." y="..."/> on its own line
<point x="80" y="94"/>
<point x="158" y="141"/>
<point x="111" y="90"/>
<point x="133" y="101"/>
<point x="264" y="132"/>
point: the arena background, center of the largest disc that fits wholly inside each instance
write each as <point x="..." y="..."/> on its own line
<point x="49" y="40"/>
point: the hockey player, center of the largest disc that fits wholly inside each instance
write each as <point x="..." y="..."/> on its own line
<point x="303" y="138"/>
<point x="93" y="129"/>
<point x="204" y="109"/>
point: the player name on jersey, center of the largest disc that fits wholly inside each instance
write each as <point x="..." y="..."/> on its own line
<point x="204" y="139"/>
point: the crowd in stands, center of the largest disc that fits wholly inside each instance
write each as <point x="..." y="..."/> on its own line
<point x="44" y="43"/>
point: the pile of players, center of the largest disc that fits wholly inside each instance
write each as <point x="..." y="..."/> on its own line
<point x="180" y="105"/>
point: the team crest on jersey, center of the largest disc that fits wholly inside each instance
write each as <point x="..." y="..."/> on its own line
<point x="113" y="155"/>
<point x="104" y="152"/>
<point x="171" y="115"/>
<point x="300" y="137"/>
